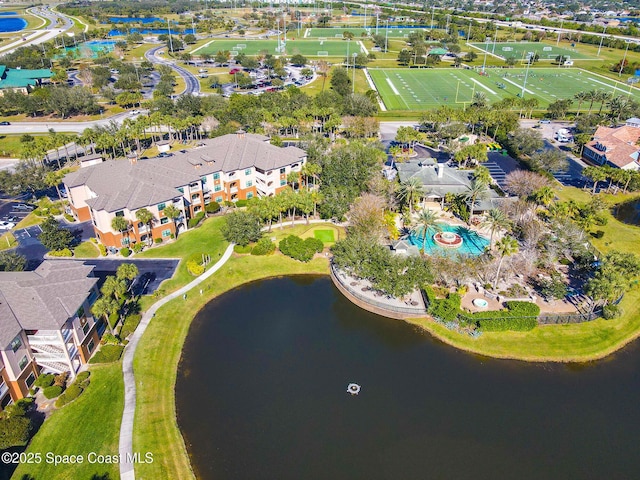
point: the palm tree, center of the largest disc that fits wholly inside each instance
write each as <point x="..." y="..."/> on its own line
<point x="427" y="220"/>
<point x="603" y="98"/>
<point x="121" y="224"/>
<point x="506" y="247"/>
<point x="105" y="306"/>
<point x="495" y="220"/>
<point x="595" y="174"/>
<point x="145" y="216"/>
<point x="172" y="213"/>
<point x="591" y="96"/>
<point x="580" y="97"/>
<point x="543" y="196"/>
<point x="477" y="190"/>
<point x="410" y="191"/>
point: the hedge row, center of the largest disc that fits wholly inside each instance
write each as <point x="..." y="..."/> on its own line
<point x="107" y="354"/>
<point x="193" y="222"/>
<point x="298" y="249"/>
<point x="74" y="390"/>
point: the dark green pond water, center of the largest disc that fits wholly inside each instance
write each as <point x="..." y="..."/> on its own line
<point x="628" y="212"/>
<point x="261" y="394"/>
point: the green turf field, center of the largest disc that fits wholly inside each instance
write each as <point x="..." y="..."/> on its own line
<point x="423" y="89"/>
<point x="309" y="48"/>
<point x="336" y="32"/>
<point x="546" y="51"/>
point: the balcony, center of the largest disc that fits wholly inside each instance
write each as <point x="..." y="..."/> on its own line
<point x="49" y="357"/>
<point x="67" y="335"/>
<point x="39" y="339"/>
<point x="57" y="367"/>
<point x="3" y="389"/>
<point x="49" y="348"/>
<point x="233" y="190"/>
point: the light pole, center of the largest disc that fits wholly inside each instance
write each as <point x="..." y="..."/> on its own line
<point x="601" y="40"/>
<point x="495" y="39"/>
<point x="623" y="59"/>
<point x="354" y="73"/>
<point x="348" y="43"/>
<point x="386" y="37"/>
<point x="486" y="50"/>
<point x="469" y="31"/>
<point x="526" y="76"/>
<point x="170" y="40"/>
<point x="431" y="29"/>
<point x="559" y="33"/>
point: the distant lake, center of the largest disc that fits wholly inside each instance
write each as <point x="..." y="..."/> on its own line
<point x="12" y="24"/>
<point x="628" y="212"/>
<point x="135" y="20"/>
<point x="261" y="394"/>
<point x="628" y="19"/>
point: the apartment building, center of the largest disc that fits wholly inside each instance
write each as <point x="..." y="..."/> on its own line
<point x="45" y="324"/>
<point x="615" y="147"/>
<point x="232" y="167"/>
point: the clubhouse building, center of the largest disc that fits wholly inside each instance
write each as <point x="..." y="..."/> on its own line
<point x="615" y="147"/>
<point x="232" y="167"/>
<point x="46" y="325"/>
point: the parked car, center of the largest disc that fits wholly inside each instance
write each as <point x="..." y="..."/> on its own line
<point x="23" y="206"/>
<point x="545" y="120"/>
<point x="135" y="112"/>
<point x="5" y="123"/>
<point x="7" y="225"/>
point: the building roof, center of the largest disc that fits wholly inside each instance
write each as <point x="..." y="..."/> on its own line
<point x="122" y="184"/>
<point x="618" y="145"/>
<point x="43" y="299"/>
<point x="452" y="180"/>
<point x="21" y="78"/>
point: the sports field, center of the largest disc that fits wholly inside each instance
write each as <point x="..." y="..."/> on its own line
<point x="336" y="32"/>
<point x="309" y="48"/>
<point x="546" y="51"/>
<point x="423" y="89"/>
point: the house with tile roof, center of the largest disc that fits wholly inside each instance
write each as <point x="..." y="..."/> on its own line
<point x="614" y="147"/>
<point x="22" y="80"/>
<point x="46" y="324"/>
<point x="232" y="167"/>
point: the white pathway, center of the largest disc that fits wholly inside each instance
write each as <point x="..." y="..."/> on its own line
<point x="126" y="427"/>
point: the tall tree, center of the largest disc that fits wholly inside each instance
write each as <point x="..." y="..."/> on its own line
<point x="506" y="247"/>
<point x="495" y="220"/>
<point x="145" y="216"/>
<point x="410" y="191"/>
<point x="427" y="221"/>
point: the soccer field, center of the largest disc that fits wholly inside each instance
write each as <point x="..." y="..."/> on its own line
<point x="546" y="51"/>
<point x="309" y="48"/>
<point x="336" y="32"/>
<point x="423" y="89"/>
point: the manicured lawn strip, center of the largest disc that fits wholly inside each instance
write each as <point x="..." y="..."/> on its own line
<point x="327" y="236"/>
<point x="304" y="231"/>
<point x="86" y="250"/>
<point x="159" y="351"/>
<point x="7" y="240"/>
<point x="335" y="47"/>
<point x="29" y="221"/>
<point x="206" y="239"/>
<point x="90" y="424"/>
<point x="559" y="343"/>
<point x="520" y="49"/>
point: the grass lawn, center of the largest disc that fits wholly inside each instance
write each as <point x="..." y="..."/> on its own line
<point x="89" y="424"/>
<point x="86" y="250"/>
<point x="205" y="239"/>
<point x="326" y="236"/>
<point x="547" y="51"/>
<point x="427" y="88"/>
<point x="156" y="361"/>
<point x="10" y="145"/>
<point x="30" y="220"/>
<point x="305" y="231"/>
<point x="310" y="48"/>
<point x="7" y="241"/>
<point x="393" y="32"/>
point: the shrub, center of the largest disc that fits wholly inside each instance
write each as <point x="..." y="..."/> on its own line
<point x="109" y="339"/>
<point x="446" y="309"/>
<point x="213" y="207"/>
<point x="125" y="252"/>
<point x="611" y="311"/>
<point x="195" y="268"/>
<point x="65" y="252"/>
<point x="193" y="222"/>
<point x="52" y="392"/>
<point x="130" y="324"/>
<point x="103" y="250"/>
<point x="44" y="381"/>
<point x="93" y="240"/>
<point x="298" y="249"/>
<point x="82" y="376"/>
<point x="518" y="324"/>
<point x="69" y="218"/>
<point x="264" y="247"/>
<point x="60" y="380"/>
<point x="107" y="354"/>
<point x="241" y="203"/>
<point x="15" y="432"/>
<point x="157" y="240"/>
<point x="69" y="395"/>
<point x="138" y="247"/>
<point x="18" y="409"/>
<point x="242" y="249"/>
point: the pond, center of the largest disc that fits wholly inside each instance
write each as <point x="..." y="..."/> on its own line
<point x="262" y="394"/>
<point x="628" y="212"/>
<point x="12" y="24"/>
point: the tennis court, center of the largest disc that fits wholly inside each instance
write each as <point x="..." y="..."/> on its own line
<point x="309" y="48"/>
<point x="336" y="32"/>
<point x="546" y="51"/>
<point x="423" y="89"/>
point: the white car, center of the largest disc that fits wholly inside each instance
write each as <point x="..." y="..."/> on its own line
<point x="135" y="112"/>
<point x="7" y="225"/>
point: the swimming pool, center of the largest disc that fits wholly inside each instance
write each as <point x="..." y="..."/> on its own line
<point x="472" y="243"/>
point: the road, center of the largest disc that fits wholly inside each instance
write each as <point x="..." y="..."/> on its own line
<point x="192" y="85"/>
<point x="58" y="24"/>
<point x="17" y="128"/>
